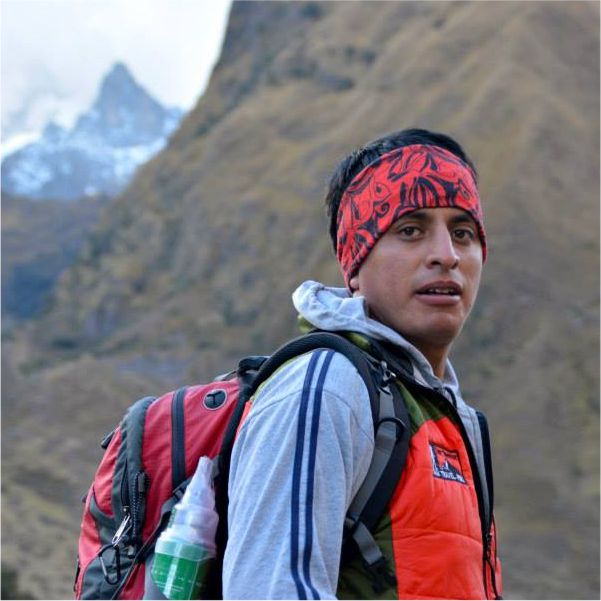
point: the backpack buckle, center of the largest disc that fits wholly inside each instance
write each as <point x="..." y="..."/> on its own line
<point x="351" y="521"/>
<point x="381" y="576"/>
<point x="398" y="423"/>
<point x="374" y="561"/>
<point x="387" y="374"/>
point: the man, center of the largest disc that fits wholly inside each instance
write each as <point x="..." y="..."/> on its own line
<point x="407" y="227"/>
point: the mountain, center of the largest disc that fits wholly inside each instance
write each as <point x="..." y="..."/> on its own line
<point x="123" y="129"/>
<point x="193" y="265"/>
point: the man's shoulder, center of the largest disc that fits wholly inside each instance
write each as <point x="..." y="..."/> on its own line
<point x="324" y="369"/>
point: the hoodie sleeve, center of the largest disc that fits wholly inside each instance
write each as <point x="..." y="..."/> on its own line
<point x="300" y="457"/>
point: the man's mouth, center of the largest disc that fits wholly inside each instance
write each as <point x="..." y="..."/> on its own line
<point x="440" y="289"/>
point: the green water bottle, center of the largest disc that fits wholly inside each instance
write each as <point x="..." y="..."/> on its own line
<point x="186" y="549"/>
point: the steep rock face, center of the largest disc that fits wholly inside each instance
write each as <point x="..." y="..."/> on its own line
<point x="193" y="265"/>
<point x="39" y="240"/>
<point x="124" y="127"/>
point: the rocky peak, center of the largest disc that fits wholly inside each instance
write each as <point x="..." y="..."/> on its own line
<point x="118" y="79"/>
<point x="123" y="114"/>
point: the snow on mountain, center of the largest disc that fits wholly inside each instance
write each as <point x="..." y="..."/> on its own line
<point x="124" y="128"/>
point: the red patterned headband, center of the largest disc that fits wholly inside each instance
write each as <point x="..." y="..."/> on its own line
<point x="403" y="180"/>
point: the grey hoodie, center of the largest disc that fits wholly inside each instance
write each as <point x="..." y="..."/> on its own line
<point x="302" y="454"/>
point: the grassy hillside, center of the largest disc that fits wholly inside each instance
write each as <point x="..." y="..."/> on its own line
<point x="193" y="265"/>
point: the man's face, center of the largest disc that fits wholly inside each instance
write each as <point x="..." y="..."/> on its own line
<point x="422" y="276"/>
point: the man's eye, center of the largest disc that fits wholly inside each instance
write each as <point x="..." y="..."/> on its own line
<point x="464" y="234"/>
<point x="408" y="231"/>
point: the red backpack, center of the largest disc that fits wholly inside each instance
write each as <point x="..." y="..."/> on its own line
<point x="152" y="454"/>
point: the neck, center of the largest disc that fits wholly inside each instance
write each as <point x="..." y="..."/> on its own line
<point x="437" y="358"/>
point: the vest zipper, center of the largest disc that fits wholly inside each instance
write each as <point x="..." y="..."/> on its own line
<point x="478" y="485"/>
<point x="489" y="559"/>
<point x="485" y="525"/>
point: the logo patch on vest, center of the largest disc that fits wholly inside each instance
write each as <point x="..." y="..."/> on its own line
<point x="446" y="464"/>
<point x="215" y="399"/>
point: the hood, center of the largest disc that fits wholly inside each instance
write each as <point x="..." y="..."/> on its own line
<point x="334" y="309"/>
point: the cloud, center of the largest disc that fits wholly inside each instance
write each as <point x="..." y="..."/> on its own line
<point x="63" y="48"/>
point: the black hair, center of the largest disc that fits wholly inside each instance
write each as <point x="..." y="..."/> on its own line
<point x="349" y="167"/>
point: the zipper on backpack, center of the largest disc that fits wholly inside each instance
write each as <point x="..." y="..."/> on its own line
<point x="124" y="488"/>
<point x="127" y="509"/>
<point x="178" y="449"/>
<point x="77" y="571"/>
<point x="139" y="490"/>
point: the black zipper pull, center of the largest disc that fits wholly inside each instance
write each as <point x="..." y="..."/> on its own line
<point x="125" y="488"/>
<point x="141" y="482"/>
<point x="489" y="561"/>
<point x="139" y="492"/>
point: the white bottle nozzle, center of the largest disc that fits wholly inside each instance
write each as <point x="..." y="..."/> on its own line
<point x="195" y="519"/>
<point x="200" y="490"/>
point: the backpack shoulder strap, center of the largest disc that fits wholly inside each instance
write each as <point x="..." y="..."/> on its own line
<point x="392" y="432"/>
<point x="367" y="366"/>
<point x="487" y="452"/>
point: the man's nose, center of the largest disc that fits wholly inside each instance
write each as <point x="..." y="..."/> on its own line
<point x="442" y="251"/>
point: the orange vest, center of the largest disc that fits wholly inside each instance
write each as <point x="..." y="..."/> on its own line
<point x="434" y="534"/>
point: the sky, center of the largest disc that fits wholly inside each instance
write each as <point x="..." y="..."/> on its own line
<point x="55" y="52"/>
